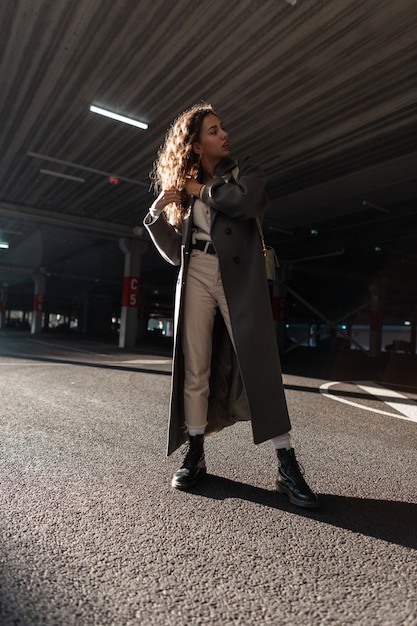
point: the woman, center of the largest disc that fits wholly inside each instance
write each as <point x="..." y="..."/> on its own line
<point x="225" y="365"/>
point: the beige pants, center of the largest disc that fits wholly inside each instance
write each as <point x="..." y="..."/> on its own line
<point x="203" y="294"/>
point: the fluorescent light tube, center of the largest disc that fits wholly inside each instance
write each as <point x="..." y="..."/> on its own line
<point x="4" y="245"/>
<point x="119" y="118"/>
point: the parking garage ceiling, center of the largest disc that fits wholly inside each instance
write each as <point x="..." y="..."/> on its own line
<point x="324" y="93"/>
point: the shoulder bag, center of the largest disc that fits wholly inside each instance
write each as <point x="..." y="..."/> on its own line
<point x="271" y="259"/>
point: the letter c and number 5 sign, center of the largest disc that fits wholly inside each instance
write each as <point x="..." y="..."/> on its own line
<point x="130" y="295"/>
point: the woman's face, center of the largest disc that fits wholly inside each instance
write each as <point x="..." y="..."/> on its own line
<point x="213" y="143"/>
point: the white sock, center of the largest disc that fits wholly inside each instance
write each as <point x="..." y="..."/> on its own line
<point x="283" y="441"/>
<point x="196" y="431"/>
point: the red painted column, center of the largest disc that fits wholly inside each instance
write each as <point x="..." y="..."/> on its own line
<point x="133" y="250"/>
<point x="130" y="295"/>
<point x="279" y="309"/>
<point x="38" y="301"/>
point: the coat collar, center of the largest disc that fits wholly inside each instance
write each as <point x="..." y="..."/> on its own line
<point x="226" y="165"/>
<point x="223" y="167"/>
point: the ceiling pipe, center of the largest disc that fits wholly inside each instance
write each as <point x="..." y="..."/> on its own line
<point x="281" y="230"/>
<point x="375" y="206"/>
<point x="73" y="222"/>
<point x="85" y="168"/>
<point x="77" y="179"/>
<point x="319" y="256"/>
<point x="30" y="269"/>
<point x="11" y="232"/>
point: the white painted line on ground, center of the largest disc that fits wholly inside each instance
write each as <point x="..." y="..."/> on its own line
<point x="133" y="361"/>
<point x="146" y="362"/>
<point x="67" y="348"/>
<point x="33" y="363"/>
<point x="15" y="361"/>
<point x="408" y="412"/>
<point x="409" y="409"/>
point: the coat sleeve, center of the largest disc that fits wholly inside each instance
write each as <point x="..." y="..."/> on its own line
<point x="165" y="237"/>
<point x="242" y="199"/>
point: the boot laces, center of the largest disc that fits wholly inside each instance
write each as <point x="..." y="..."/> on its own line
<point x="295" y="471"/>
<point x="299" y="473"/>
<point x="192" y="456"/>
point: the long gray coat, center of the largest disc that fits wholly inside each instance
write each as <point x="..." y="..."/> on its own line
<point x="247" y="385"/>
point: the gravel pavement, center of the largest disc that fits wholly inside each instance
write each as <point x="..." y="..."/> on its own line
<point x="92" y="534"/>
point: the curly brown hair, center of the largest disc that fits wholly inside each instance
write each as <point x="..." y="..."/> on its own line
<point x="176" y="158"/>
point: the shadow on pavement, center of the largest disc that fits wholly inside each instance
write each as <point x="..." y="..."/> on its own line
<point x="389" y="520"/>
<point x="104" y="366"/>
<point x="147" y="370"/>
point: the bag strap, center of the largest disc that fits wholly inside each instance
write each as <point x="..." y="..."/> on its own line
<point x="261" y="235"/>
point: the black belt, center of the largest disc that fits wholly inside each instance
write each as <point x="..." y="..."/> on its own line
<point x="204" y="246"/>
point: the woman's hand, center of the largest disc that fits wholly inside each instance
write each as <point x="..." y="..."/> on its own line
<point x="192" y="187"/>
<point x="167" y="196"/>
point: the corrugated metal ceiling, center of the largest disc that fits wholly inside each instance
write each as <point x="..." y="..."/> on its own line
<point x="323" y="92"/>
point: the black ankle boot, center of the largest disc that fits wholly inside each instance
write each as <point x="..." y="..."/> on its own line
<point x="291" y="481"/>
<point x="194" y="465"/>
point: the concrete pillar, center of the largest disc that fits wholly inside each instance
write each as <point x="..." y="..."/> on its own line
<point x="3" y="306"/>
<point x="83" y="310"/>
<point x="413" y="335"/>
<point x="375" y="322"/>
<point x="99" y="314"/>
<point x="133" y="250"/>
<point x="46" y="319"/>
<point x="38" y="300"/>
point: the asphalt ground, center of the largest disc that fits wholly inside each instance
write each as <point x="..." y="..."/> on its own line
<point x="92" y="533"/>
